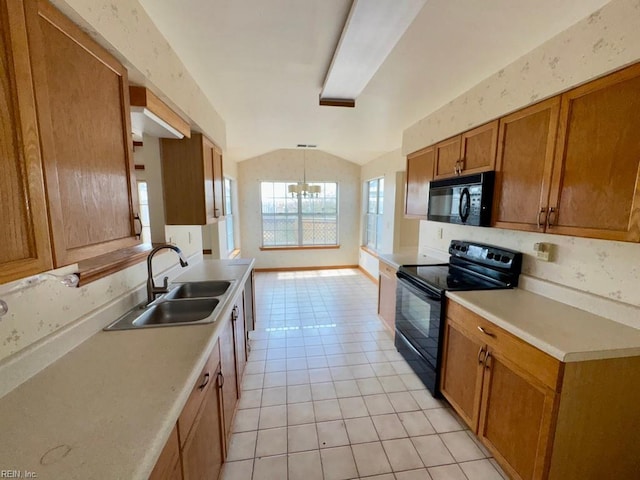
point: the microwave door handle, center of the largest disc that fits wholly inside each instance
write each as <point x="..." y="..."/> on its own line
<point x="465" y="204"/>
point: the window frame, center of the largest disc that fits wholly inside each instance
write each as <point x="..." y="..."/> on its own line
<point x="299" y="215"/>
<point x="377" y="216"/>
<point x="230" y="218"/>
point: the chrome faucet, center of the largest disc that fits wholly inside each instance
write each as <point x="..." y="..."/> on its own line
<point x="152" y="290"/>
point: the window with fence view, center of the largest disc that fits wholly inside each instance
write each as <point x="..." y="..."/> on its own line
<point x="307" y="218"/>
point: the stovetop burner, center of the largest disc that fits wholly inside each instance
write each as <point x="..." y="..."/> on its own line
<point x="472" y="266"/>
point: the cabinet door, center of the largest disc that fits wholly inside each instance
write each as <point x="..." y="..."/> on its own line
<point x="387" y="295"/>
<point x="168" y="464"/>
<point x="516" y="418"/>
<point x="82" y="94"/>
<point x="596" y="178"/>
<point x="462" y="368"/>
<point x="447" y="157"/>
<point x="419" y="174"/>
<point x="478" y="148"/>
<point x="523" y="168"/>
<point x="239" y="340"/>
<point x="202" y="455"/>
<point x="24" y="235"/>
<point x="229" y="386"/>
<point x="218" y="184"/>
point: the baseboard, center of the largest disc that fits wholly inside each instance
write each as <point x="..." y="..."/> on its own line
<point x="296" y="269"/>
<point x="368" y="275"/>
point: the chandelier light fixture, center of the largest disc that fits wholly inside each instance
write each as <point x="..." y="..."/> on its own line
<point x="303" y="189"/>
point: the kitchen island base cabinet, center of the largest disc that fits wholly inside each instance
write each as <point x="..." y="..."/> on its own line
<point x="168" y="466"/>
<point x="539" y="417"/>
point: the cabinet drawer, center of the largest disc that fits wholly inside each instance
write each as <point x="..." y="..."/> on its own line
<point x="386" y="269"/>
<point x="522" y="355"/>
<point x="205" y="381"/>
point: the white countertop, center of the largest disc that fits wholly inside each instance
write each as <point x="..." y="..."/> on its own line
<point x="408" y="258"/>
<point x="106" y="409"/>
<point x="564" y="332"/>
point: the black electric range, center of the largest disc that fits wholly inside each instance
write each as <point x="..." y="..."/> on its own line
<point x="420" y="299"/>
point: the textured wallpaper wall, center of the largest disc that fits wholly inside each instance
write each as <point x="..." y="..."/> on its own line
<point x="607" y="272"/>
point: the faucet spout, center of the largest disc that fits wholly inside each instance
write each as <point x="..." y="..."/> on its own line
<point x="152" y="289"/>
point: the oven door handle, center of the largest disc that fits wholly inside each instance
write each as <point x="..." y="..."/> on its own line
<point x="417" y="290"/>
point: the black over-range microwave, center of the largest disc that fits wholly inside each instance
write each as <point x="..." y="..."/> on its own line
<point x="464" y="200"/>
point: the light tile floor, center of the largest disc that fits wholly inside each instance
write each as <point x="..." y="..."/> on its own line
<point x="326" y="396"/>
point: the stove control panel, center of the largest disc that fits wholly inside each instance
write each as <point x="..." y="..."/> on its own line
<point x="489" y="255"/>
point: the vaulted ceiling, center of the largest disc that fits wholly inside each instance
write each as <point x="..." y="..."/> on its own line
<point x="262" y="64"/>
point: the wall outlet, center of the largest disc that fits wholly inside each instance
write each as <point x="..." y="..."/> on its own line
<point x="544" y="251"/>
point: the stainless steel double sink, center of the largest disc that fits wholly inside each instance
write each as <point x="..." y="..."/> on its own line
<point x="190" y="303"/>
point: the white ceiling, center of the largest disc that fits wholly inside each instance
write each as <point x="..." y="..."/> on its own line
<point x="262" y="64"/>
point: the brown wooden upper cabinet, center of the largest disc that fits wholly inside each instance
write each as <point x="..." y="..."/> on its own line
<point x="470" y="152"/>
<point x="419" y="174"/>
<point x="595" y="191"/>
<point x="193" y="181"/>
<point x="571" y="164"/>
<point x="65" y="126"/>
<point x="24" y="235"/>
<point x="526" y="144"/>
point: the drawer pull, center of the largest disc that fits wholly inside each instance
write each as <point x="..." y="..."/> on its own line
<point x="486" y="332"/>
<point x="220" y="380"/>
<point x="481" y="355"/>
<point x="206" y="381"/>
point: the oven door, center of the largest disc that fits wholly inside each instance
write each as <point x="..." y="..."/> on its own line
<point x="418" y="330"/>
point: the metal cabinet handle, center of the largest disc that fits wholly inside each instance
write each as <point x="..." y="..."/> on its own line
<point x="551" y="217"/>
<point x="206" y="381"/>
<point x="482" y="355"/>
<point x="487" y="361"/>
<point x="486" y="332"/>
<point x="234" y="313"/>
<point x="220" y="380"/>
<point x="541" y="223"/>
<point x="138" y="234"/>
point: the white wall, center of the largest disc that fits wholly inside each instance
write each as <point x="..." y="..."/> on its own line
<point x="287" y="165"/>
<point x="601" y="276"/>
<point x="398" y="232"/>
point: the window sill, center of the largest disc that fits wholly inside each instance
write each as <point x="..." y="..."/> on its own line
<point x="309" y="247"/>
<point x="234" y="253"/>
<point x="373" y="253"/>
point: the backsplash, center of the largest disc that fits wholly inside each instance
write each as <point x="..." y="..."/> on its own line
<point x="597" y="267"/>
<point x="49" y="308"/>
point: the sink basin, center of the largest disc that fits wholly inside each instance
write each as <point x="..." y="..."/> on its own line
<point x="213" y="288"/>
<point x="177" y="312"/>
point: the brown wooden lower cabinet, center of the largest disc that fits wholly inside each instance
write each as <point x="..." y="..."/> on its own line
<point x="387" y="295"/>
<point x="202" y="455"/>
<point x="539" y="417"/>
<point x="197" y="446"/>
<point x="168" y="466"/>
<point x="229" y="388"/>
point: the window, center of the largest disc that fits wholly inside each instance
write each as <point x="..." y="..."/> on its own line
<point x="143" y="200"/>
<point x="228" y="209"/>
<point x="299" y="221"/>
<point x="373" y="216"/>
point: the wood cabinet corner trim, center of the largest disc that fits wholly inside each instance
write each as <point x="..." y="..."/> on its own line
<point x="143" y="97"/>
